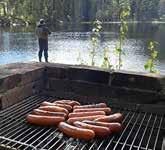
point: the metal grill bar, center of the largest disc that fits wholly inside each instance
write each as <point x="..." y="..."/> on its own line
<point x="36" y="136"/>
<point x="57" y="134"/>
<point x="114" y="136"/>
<point x="15" y="131"/>
<point x="151" y="133"/>
<point x="32" y="136"/>
<point x="102" y="142"/>
<point x="144" y="132"/>
<point x="83" y="147"/>
<point x="53" y="145"/>
<point x="46" y="138"/>
<point x="137" y="132"/>
<point x="20" y="135"/>
<point x="59" y="148"/>
<point x="14" y="106"/>
<point x="26" y="108"/>
<point x="17" y="115"/>
<point x="15" y="137"/>
<point x="93" y="144"/>
<point x="18" y="107"/>
<point x="74" y="147"/>
<point x="131" y="131"/>
<point x="21" y="122"/>
<point x="157" y="134"/>
<point x="121" y="134"/>
<point x="68" y="146"/>
<point x="38" y="139"/>
<point x="11" y="140"/>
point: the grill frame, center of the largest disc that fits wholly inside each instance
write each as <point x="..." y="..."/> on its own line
<point x="13" y="118"/>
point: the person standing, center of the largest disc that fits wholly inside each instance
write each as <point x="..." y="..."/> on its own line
<point x="42" y="33"/>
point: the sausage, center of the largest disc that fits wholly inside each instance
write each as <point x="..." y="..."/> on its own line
<point x="63" y="103"/>
<point x="48" y="113"/>
<point x="44" y="120"/>
<point x="113" y="127"/>
<point x="68" y="102"/>
<point x="99" y="130"/>
<point x="76" y="132"/>
<point x="100" y="105"/>
<point x="107" y="110"/>
<point x="74" y="103"/>
<point x="54" y="109"/>
<point x="71" y="120"/>
<point x="82" y="114"/>
<point x="117" y="117"/>
<point x="68" y="107"/>
<point x="63" y="100"/>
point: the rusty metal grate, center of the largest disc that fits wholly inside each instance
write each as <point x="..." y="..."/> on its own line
<point x="143" y="131"/>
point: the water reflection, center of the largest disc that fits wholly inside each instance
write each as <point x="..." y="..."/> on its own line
<point x="68" y="42"/>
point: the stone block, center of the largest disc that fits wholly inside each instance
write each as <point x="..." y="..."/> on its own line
<point x="136" y="80"/>
<point x="17" y="94"/>
<point x="9" y="82"/>
<point x="162" y="84"/>
<point x="17" y="74"/>
<point x="57" y="72"/>
<point x="20" y="68"/>
<point x="128" y="95"/>
<point x="57" y="84"/>
<point x="31" y="76"/>
<point x="84" y="88"/>
<point x="94" y="76"/>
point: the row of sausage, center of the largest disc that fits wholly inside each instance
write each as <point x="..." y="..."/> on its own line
<point x="77" y="121"/>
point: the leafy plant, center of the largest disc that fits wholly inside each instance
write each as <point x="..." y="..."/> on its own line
<point x="97" y="26"/>
<point x="80" y="59"/>
<point x="106" y="60"/>
<point x="124" y="12"/>
<point x="150" y="64"/>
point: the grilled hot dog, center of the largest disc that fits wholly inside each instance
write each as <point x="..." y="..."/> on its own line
<point x="68" y="102"/>
<point x="76" y="132"/>
<point x="117" y="117"/>
<point x="107" y="110"/>
<point x="82" y="114"/>
<point x="71" y="120"/>
<point x="48" y="113"/>
<point x="113" y="127"/>
<point x="100" y="105"/>
<point x="68" y="107"/>
<point x="99" y="130"/>
<point x="54" y="109"/>
<point x="44" y="120"/>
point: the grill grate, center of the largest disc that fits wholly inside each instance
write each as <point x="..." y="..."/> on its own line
<point x="143" y="131"/>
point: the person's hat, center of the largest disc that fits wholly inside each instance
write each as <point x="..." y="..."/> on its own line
<point x="42" y="21"/>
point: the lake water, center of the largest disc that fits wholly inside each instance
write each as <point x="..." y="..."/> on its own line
<point x="70" y="44"/>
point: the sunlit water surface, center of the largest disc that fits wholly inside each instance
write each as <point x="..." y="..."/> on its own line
<point x="73" y="47"/>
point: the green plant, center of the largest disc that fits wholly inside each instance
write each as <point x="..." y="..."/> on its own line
<point x="97" y="26"/>
<point x="80" y="59"/>
<point x="150" y="64"/>
<point x="124" y="12"/>
<point x="106" y="60"/>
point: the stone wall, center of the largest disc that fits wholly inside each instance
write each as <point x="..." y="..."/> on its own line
<point x="93" y="83"/>
<point x="21" y="80"/>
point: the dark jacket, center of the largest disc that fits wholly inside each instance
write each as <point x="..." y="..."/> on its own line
<point x="42" y="31"/>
